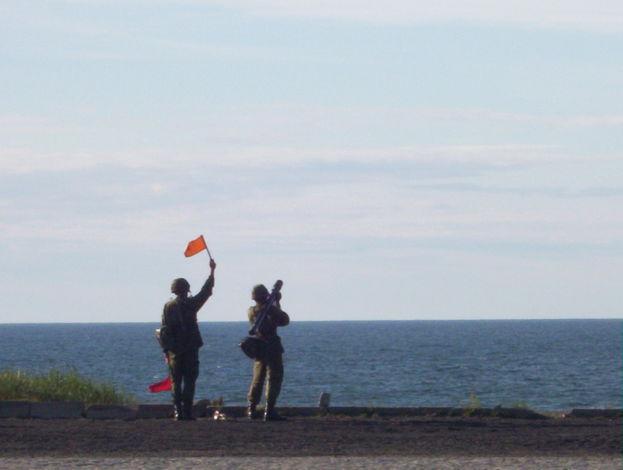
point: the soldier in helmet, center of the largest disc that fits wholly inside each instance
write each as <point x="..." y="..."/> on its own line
<point x="179" y="317"/>
<point x="269" y="367"/>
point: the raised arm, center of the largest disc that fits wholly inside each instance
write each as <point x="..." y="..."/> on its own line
<point x="206" y="291"/>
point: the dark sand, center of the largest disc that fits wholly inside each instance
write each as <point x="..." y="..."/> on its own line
<point x="327" y="436"/>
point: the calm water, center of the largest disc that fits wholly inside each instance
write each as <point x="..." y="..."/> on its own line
<point x="547" y="365"/>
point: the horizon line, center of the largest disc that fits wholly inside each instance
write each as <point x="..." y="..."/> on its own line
<point x="317" y="321"/>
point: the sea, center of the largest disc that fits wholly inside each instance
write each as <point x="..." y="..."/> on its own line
<point x="548" y="365"/>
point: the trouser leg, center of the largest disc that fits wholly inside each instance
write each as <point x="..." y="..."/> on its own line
<point x="190" y="374"/>
<point x="275" y="379"/>
<point x="176" y="369"/>
<point x="176" y="372"/>
<point x="257" y="383"/>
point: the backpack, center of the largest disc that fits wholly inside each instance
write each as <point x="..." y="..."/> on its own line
<point x="165" y="338"/>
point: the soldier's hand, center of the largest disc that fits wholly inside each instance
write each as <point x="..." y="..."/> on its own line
<point x="212" y="265"/>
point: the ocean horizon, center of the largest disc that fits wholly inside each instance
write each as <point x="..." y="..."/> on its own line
<point x="390" y="320"/>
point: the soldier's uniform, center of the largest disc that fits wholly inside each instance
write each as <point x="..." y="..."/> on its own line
<point x="270" y="367"/>
<point x="180" y="317"/>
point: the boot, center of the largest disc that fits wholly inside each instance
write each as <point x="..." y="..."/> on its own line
<point x="252" y="411"/>
<point x="178" y="413"/>
<point x="271" y="414"/>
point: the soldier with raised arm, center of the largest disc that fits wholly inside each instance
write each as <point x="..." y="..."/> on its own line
<point x="269" y="367"/>
<point x="179" y="320"/>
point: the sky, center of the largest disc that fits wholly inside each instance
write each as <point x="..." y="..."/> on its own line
<point x="388" y="160"/>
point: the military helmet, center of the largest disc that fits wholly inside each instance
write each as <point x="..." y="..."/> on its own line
<point x="259" y="293"/>
<point x="180" y="286"/>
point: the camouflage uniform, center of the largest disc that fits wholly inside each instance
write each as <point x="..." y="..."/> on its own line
<point x="270" y="367"/>
<point x="180" y="316"/>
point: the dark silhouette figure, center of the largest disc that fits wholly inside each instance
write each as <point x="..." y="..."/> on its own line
<point x="269" y="366"/>
<point x="183" y="340"/>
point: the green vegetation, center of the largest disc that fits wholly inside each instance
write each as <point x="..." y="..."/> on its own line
<point x="59" y="386"/>
<point x="473" y="407"/>
<point x="217" y="403"/>
<point x="521" y="404"/>
<point x="473" y="404"/>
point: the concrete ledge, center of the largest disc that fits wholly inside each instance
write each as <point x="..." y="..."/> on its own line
<point x="230" y="411"/>
<point x="154" y="411"/>
<point x="395" y="411"/>
<point x="422" y="411"/>
<point x="166" y="411"/>
<point x="57" y="410"/>
<point x="300" y="411"/>
<point x="200" y="408"/>
<point x="14" y="409"/>
<point x="111" y="412"/>
<point x="241" y="411"/>
<point x="500" y="412"/>
<point x="518" y="413"/>
<point x="362" y="411"/>
<point x="591" y="413"/>
<point x="69" y="410"/>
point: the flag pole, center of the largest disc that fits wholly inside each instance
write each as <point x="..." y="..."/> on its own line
<point x="207" y="249"/>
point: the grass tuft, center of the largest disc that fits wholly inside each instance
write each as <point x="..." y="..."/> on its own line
<point x="59" y="386"/>
<point x="473" y="404"/>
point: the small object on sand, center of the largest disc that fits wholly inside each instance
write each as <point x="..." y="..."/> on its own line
<point x="219" y="416"/>
<point x="324" y="401"/>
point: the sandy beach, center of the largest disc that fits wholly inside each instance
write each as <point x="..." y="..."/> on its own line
<point x="465" y="442"/>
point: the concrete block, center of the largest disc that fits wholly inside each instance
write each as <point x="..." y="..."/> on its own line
<point x="593" y="413"/>
<point x="414" y="411"/>
<point x="57" y="410"/>
<point x="301" y="411"/>
<point x="111" y="412"/>
<point x="324" y="401"/>
<point x="398" y="411"/>
<point x="14" y="409"/>
<point x="436" y="411"/>
<point x="352" y="410"/>
<point x="516" y="413"/>
<point x="200" y="408"/>
<point x="154" y="411"/>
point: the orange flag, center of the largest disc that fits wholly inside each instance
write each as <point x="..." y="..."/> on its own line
<point x="195" y="246"/>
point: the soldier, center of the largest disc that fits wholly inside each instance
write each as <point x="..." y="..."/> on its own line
<point x="270" y="366"/>
<point x="179" y="318"/>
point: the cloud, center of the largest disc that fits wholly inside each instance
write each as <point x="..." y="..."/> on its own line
<point x="602" y="16"/>
<point x="23" y="161"/>
<point x="491" y="155"/>
<point x="11" y="124"/>
<point x="105" y="40"/>
<point x="369" y="206"/>
<point x="556" y="120"/>
<point x="245" y="137"/>
<point x="312" y="126"/>
<point x="553" y="120"/>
